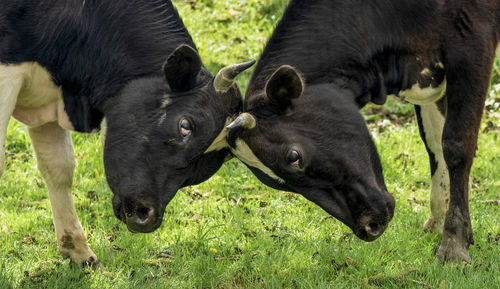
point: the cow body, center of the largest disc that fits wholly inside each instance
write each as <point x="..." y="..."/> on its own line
<point x="67" y="64"/>
<point x="62" y="36"/>
<point x="39" y="100"/>
<point x="328" y="58"/>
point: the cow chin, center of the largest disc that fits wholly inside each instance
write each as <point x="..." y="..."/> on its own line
<point x="336" y="207"/>
<point x="134" y="228"/>
<point x="366" y="225"/>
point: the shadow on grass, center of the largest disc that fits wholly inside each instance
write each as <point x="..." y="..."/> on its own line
<point x="56" y="274"/>
<point x="5" y="282"/>
<point x="249" y="266"/>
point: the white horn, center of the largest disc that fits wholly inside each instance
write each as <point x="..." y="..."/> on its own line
<point x="225" y="77"/>
<point x="244" y="120"/>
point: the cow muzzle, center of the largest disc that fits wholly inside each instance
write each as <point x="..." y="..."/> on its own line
<point x="140" y="217"/>
<point x="370" y="229"/>
<point x="372" y="225"/>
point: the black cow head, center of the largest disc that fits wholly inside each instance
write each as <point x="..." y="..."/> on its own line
<point x="313" y="140"/>
<point x="158" y="133"/>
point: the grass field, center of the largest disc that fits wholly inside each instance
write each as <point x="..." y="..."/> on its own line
<point x="232" y="231"/>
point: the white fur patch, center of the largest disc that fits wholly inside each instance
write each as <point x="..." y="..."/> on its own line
<point x="245" y="154"/>
<point x="426" y="72"/>
<point x="8" y="98"/>
<point x="104" y="131"/>
<point x="242" y="152"/>
<point x="220" y="141"/>
<point x="433" y="124"/>
<point x="418" y="95"/>
<point x="39" y="101"/>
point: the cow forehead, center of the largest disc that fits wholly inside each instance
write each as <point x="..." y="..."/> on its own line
<point x="243" y="152"/>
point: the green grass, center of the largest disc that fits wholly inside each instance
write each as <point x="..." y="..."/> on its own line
<point x="232" y="231"/>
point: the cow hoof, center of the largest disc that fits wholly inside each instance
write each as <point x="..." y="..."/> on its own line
<point x="92" y="263"/>
<point x="430" y="225"/>
<point x="433" y="224"/>
<point x="80" y="260"/>
<point x="451" y="250"/>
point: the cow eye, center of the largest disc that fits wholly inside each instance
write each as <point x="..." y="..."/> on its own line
<point x="185" y="127"/>
<point x="293" y="158"/>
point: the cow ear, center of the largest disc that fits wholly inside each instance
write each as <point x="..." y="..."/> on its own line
<point x="285" y="84"/>
<point x="182" y="67"/>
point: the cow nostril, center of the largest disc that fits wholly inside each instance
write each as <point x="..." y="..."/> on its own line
<point x="144" y="214"/>
<point x="373" y="229"/>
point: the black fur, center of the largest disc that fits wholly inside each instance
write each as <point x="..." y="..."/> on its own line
<point x="353" y="52"/>
<point x="91" y="48"/>
<point x="108" y="57"/>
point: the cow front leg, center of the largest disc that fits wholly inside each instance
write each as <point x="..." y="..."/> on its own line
<point x="9" y="89"/>
<point x="457" y="232"/>
<point x="55" y="160"/>
<point x="104" y="131"/>
<point x="430" y="118"/>
<point x="468" y="80"/>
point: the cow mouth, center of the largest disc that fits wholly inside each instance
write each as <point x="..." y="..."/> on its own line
<point x="134" y="228"/>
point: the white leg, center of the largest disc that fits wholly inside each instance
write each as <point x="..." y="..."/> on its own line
<point x="104" y="130"/>
<point x="55" y="160"/>
<point x="433" y="123"/>
<point x="8" y="97"/>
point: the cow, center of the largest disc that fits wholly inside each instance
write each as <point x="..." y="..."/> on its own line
<point x="301" y="129"/>
<point x="67" y="65"/>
